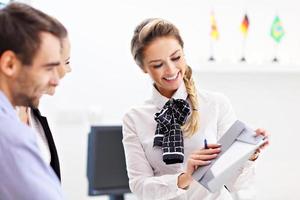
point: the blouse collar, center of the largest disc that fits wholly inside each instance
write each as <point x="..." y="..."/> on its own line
<point x="160" y="100"/>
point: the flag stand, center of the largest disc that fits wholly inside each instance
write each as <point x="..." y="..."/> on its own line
<point x="211" y="59"/>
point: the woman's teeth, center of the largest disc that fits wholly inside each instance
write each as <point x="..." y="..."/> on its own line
<point x="172" y="77"/>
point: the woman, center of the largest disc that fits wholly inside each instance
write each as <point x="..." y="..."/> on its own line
<point x="33" y="117"/>
<point x="158" y="168"/>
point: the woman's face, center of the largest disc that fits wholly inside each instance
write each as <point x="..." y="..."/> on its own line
<point x="65" y="67"/>
<point x="164" y="62"/>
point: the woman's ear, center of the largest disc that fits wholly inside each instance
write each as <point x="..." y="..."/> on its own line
<point x="9" y="63"/>
<point x="143" y="69"/>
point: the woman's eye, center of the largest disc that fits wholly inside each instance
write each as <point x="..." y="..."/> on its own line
<point x="158" y="65"/>
<point x="176" y="58"/>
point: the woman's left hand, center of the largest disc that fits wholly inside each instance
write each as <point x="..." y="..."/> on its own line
<point x="264" y="133"/>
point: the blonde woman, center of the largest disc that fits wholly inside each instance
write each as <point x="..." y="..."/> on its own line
<point x="163" y="139"/>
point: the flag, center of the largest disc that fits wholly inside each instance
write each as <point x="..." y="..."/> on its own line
<point x="214" y="30"/>
<point x="245" y="25"/>
<point x="277" y="31"/>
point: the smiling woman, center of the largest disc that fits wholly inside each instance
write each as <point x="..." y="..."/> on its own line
<point x="163" y="139"/>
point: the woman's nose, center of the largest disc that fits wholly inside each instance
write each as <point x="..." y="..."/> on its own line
<point x="170" y="67"/>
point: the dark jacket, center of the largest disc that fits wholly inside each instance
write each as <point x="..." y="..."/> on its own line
<point x="54" y="157"/>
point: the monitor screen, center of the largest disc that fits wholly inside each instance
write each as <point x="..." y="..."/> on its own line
<point x="106" y="167"/>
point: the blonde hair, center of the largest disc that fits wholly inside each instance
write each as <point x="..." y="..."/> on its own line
<point x="145" y="33"/>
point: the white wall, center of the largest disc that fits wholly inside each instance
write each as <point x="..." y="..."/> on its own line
<point x="105" y="82"/>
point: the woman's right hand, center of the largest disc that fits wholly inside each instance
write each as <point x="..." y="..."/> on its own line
<point x="202" y="157"/>
<point x="197" y="159"/>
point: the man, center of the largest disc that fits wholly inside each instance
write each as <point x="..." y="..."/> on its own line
<point x="33" y="118"/>
<point x="30" y="53"/>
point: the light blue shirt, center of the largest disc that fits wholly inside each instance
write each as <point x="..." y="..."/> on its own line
<point x="23" y="173"/>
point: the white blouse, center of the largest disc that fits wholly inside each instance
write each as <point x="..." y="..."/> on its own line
<point x="150" y="178"/>
<point x="41" y="137"/>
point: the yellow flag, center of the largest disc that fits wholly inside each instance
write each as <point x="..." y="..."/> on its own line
<point x="214" y="33"/>
<point x="245" y="25"/>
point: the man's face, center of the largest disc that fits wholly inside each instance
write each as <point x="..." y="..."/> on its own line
<point x="31" y="82"/>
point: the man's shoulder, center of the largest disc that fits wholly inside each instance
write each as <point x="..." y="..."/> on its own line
<point x="13" y="131"/>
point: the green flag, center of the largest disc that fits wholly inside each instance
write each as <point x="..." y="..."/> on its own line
<point x="277" y="31"/>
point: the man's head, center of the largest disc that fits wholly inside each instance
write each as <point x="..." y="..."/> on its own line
<point x="30" y="52"/>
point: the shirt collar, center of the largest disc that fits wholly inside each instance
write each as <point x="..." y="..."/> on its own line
<point x="160" y="100"/>
<point x="6" y="107"/>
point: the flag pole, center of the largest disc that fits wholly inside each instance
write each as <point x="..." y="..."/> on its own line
<point x="275" y="59"/>
<point x="211" y="47"/>
<point x="243" y="59"/>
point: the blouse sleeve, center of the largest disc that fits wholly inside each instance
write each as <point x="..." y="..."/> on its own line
<point x="142" y="181"/>
<point x="241" y="186"/>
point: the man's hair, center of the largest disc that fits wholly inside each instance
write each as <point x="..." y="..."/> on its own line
<point x="20" y="29"/>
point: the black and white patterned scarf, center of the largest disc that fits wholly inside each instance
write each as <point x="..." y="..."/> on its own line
<point x="168" y="134"/>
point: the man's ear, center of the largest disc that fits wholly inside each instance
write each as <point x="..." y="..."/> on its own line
<point x="9" y="63"/>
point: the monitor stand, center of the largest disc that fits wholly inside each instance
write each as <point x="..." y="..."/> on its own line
<point x="116" y="197"/>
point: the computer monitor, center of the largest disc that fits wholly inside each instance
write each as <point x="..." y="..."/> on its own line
<point x="106" y="167"/>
